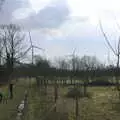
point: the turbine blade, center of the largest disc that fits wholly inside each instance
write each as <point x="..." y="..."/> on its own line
<point x="38" y="48"/>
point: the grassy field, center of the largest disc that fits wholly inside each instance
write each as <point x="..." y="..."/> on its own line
<point x="9" y="111"/>
<point x="103" y="105"/>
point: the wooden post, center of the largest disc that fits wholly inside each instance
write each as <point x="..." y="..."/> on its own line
<point x="11" y="90"/>
<point x="38" y="81"/>
<point x="76" y="111"/>
<point x="55" y="93"/>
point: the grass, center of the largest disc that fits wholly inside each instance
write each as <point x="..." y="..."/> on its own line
<point x="8" y="111"/>
<point x="99" y="106"/>
<point x="40" y="106"/>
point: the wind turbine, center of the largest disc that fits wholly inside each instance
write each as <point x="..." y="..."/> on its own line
<point x="73" y="55"/>
<point x="32" y="47"/>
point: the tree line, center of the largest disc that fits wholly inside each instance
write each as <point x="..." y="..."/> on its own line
<point x="12" y="51"/>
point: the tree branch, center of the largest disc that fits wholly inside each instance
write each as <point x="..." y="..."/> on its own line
<point x="24" y="53"/>
<point x="106" y="38"/>
<point x="118" y="46"/>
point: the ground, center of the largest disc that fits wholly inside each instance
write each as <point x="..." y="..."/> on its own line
<point x="8" y="111"/>
<point x="99" y="106"/>
<point x="103" y="104"/>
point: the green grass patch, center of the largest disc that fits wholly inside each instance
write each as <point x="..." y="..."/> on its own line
<point x="9" y="111"/>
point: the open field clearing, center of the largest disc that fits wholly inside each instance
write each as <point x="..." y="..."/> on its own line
<point x="103" y="104"/>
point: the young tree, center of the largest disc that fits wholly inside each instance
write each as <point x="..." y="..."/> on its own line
<point x="87" y="64"/>
<point x="75" y="93"/>
<point x="72" y="64"/>
<point x="116" y="52"/>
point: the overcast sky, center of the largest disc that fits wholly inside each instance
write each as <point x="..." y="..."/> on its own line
<point x="59" y="26"/>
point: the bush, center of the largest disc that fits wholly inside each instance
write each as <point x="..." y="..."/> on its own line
<point x="74" y="92"/>
<point x="77" y="92"/>
<point x="88" y="95"/>
<point x="100" y="82"/>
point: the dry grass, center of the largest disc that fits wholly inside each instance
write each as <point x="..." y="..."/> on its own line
<point x="99" y="106"/>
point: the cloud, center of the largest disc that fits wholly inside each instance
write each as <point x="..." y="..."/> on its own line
<point x="59" y="26"/>
<point x="9" y="7"/>
<point x="37" y="5"/>
<point x="51" y="16"/>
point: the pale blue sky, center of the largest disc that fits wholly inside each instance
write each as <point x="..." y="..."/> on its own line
<point x="61" y="25"/>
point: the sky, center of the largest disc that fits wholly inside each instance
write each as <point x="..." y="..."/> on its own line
<point x="60" y="26"/>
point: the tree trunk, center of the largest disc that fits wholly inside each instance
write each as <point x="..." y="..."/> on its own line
<point x="77" y="107"/>
<point x="117" y="75"/>
<point x="45" y="86"/>
<point x="11" y="90"/>
<point x="55" y="94"/>
<point x="85" y="88"/>
<point x="71" y="80"/>
<point x="38" y="82"/>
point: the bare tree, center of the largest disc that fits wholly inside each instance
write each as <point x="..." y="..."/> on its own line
<point x="12" y="41"/>
<point x="12" y="44"/>
<point x="116" y="52"/>
<point x="88" y="63"/>
<point x="62" y="63"/>
<point x="73" y="66"/>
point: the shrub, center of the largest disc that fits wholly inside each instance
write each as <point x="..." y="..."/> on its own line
<point x="74" y="92"/>
<point x="100" y="82"/>
<point x="88" y="95"/>
<point x="77" y="92"/>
